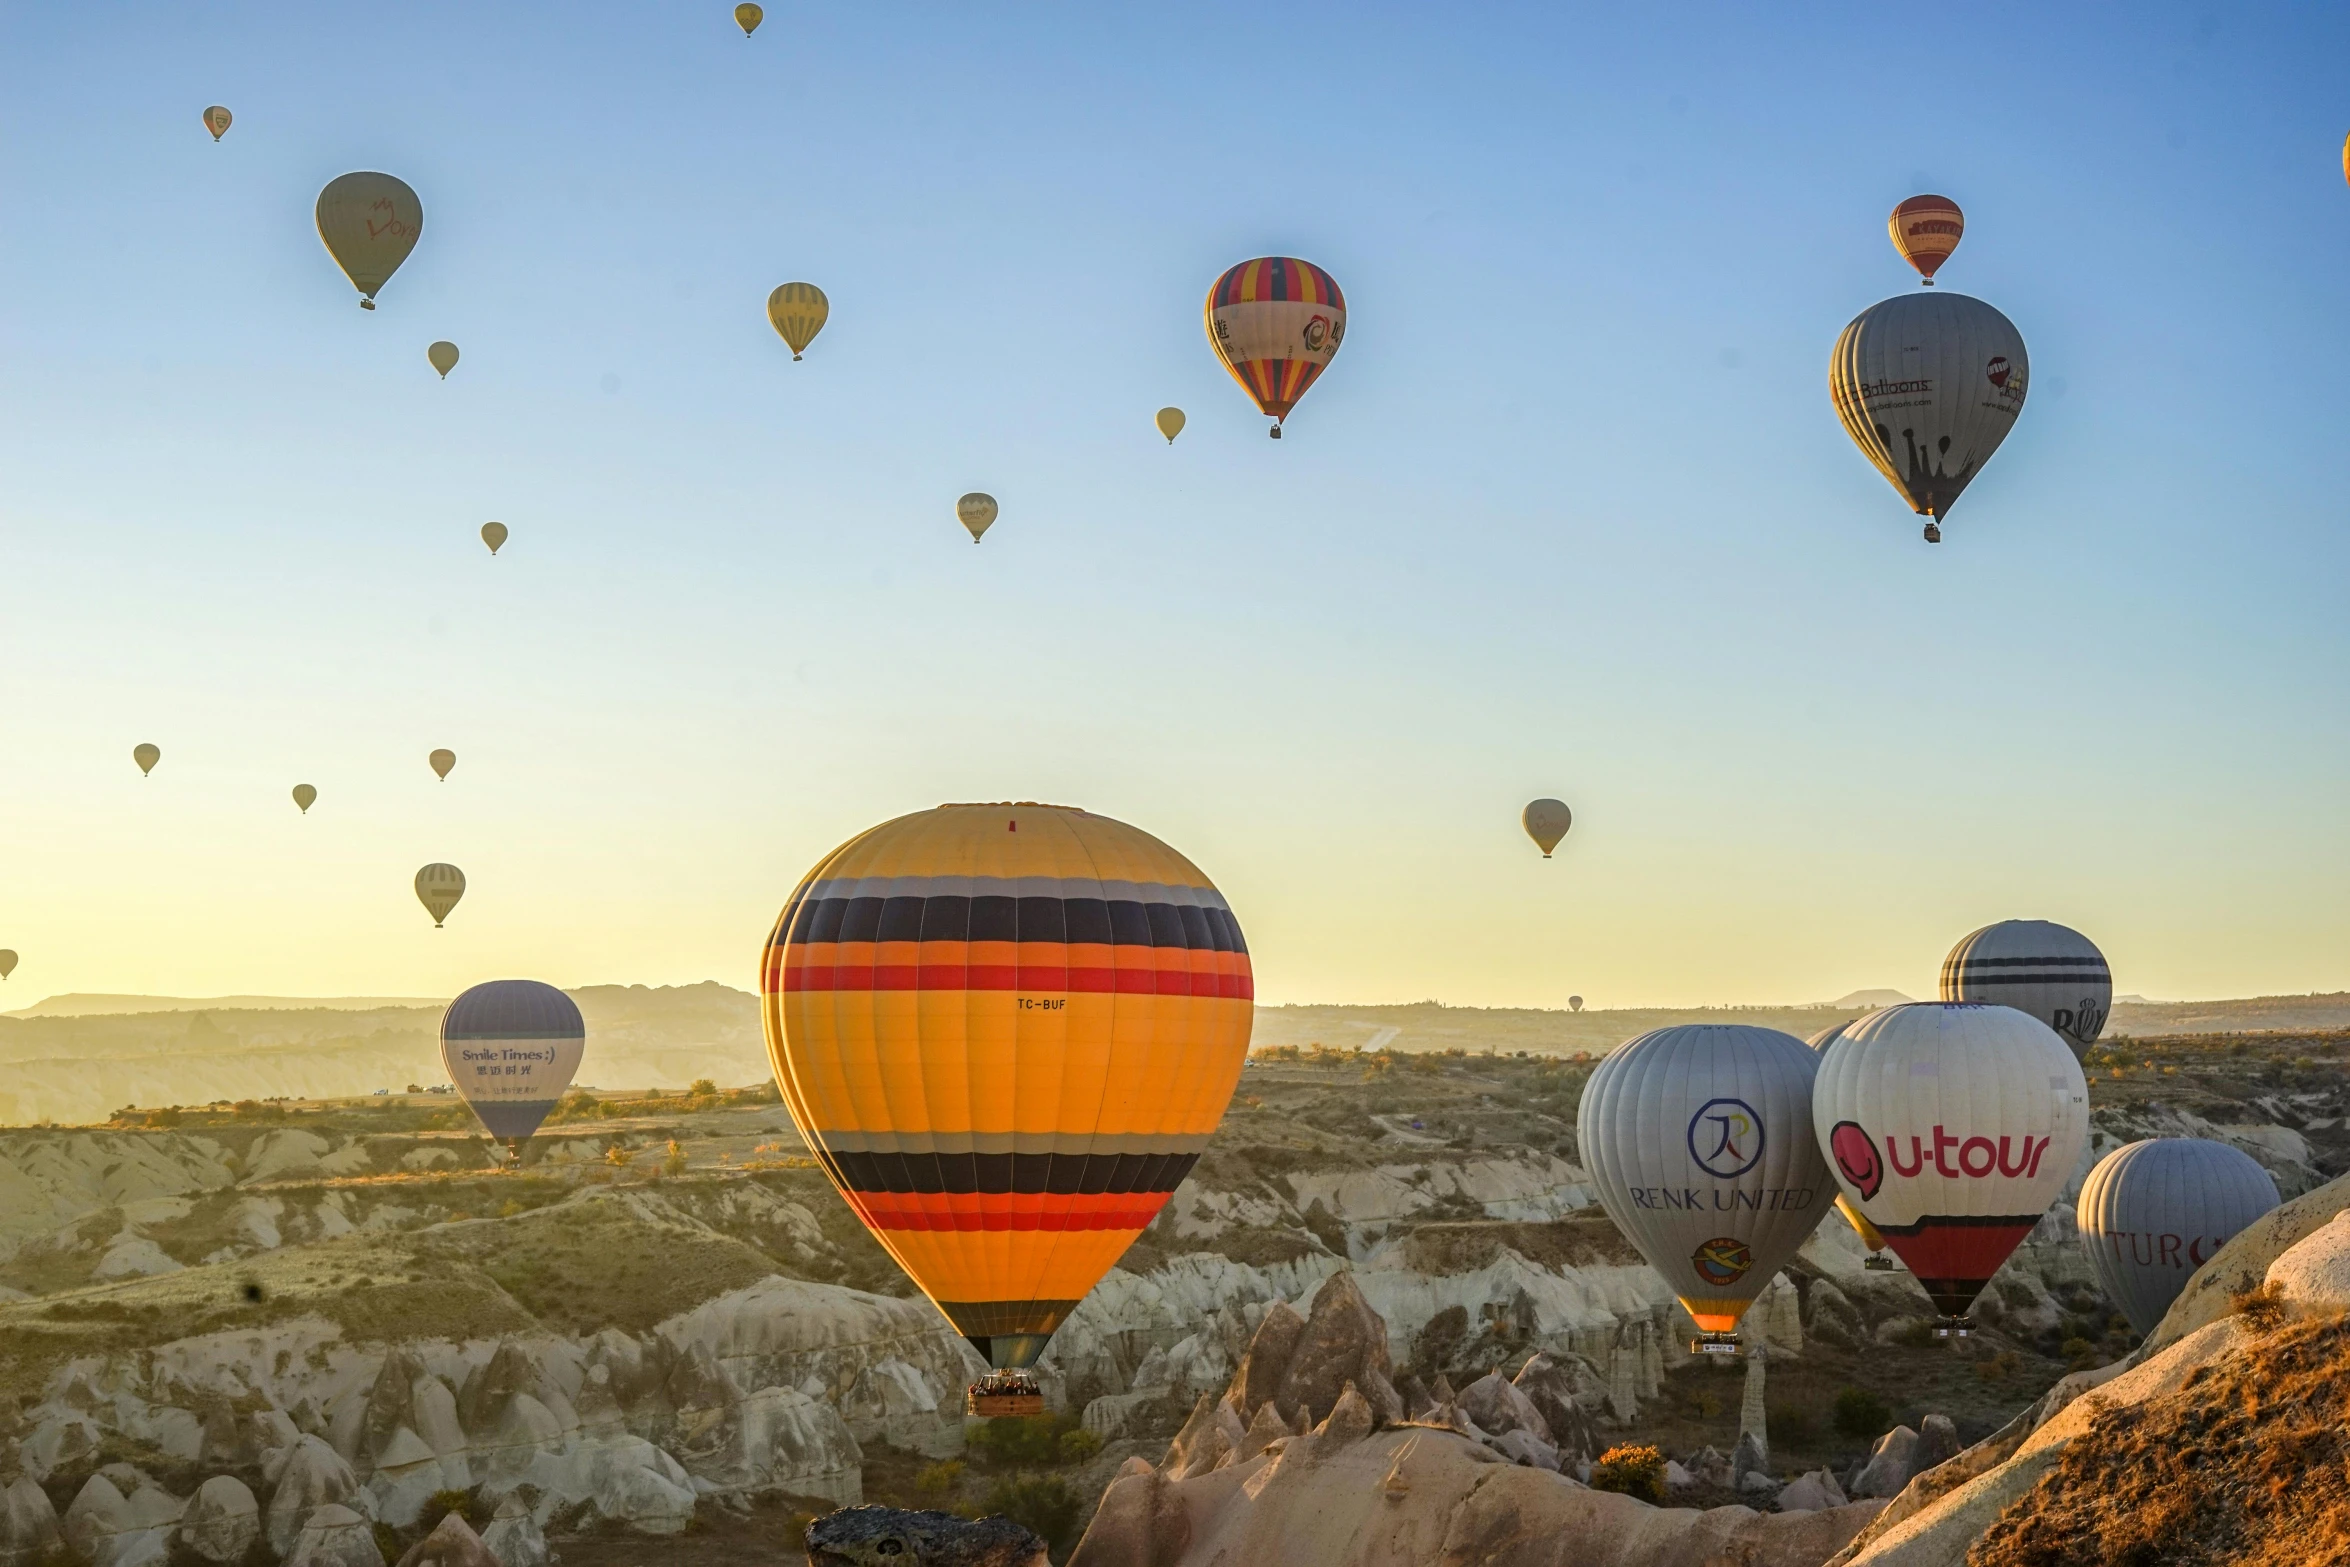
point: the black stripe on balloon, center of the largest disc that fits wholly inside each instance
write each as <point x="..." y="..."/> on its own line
<point x="2095" y="965"/>
<point x="1060" y="1175"/>
<point x="2076" y="976"/>
<point x="1124" y="922"/>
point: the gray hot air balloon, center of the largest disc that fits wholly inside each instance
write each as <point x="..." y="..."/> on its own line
<point x="2152" y="1213"/>
<point x="2041" y="969"/>
<point x="1546" y="822"/>
<point x="1574" y="1003"/>
<point x="1699" y="1143"/>
<point x="511" y="1046"/>
<point x="1928" y="385"/>
<point x="438" y="887"/>
<point x="7" y="963"/>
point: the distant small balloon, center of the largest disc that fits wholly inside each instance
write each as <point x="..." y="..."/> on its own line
<point x="216" y="120"/>
<point x="305" y="797"/>
<point x="369" y="222"/>
<point x="747" y="17"/>
<point x="976" y="512"/>
<point x="443" y="356"/>
<point x="438" y="887"/>
<point x="146" y="756"/>
<point x="1926" y="229"/>
<point x="493" y="534"/>
<point x="1574" y="1003"/>
<point x="1170" y="423"/>
<point x="7" y="962"/>
<point x="443" y="760"/>
<point x="798" y="312"/>
<point x="1546" y="822"/>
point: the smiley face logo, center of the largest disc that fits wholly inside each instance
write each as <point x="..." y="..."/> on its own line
<point x="1722" y="1261"/>
<point x="1855" y="1153"/>
<point x="1725" y="1138"/>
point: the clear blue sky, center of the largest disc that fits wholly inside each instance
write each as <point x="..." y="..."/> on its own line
<point x="1570" y="514"/>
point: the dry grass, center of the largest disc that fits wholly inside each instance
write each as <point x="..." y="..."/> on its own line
<point x="2243" y="1466"/>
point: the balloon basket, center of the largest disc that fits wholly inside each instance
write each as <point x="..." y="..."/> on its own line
<point x="1002" y="1395"/>
<point x="1953" y="1327"/>
<point x="1878" y="1262"/>
<point x="1276" y="432"/>
<point x="1714" y="1344"/>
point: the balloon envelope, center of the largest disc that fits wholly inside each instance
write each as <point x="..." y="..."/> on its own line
<point x="494" y="535"/>
<point x="305" y="797"/>
<point x="512" y="1046"/>
<point x="1276" y="322"/>
<point x="1928" y="385"/>
<point x="798" y="312"/>
<point x="1007" y="1031"/>
<point x="369" y="223"/>
<point x="747" y="17"/>
<point x="976" y="512"/>
<point x="1170" y="422"/>
<point x="2153" y="1212"/>
<point x="7" y="962"/>
<point x="1546" y="822"/>
<point x="2050" y="971"/>
<point x="146" y="756"/>
<point x="441" y="762"/>
<point x="1952" y="1126"/>
<point x="1574" y="1003"/>
<point x="442" y="356"/>
<point x="438" y="887"/>
<point x="217" y="120"/>
<point x="1867" y="1232"/>
<point x="1698" y="1140"/>
<point x="1926" y="230"/>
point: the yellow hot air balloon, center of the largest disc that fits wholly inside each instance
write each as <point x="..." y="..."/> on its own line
<point x="216" y="120"/>
<point x="798" y="312"/>
<point x="438" y="887"/>
<point x="443" y="357"/>
<point x="7" y="962"/>
<point x="1546" y="822"/>
<point x="146" y="756"/>
<point x="747" y="17"/>
<point x="369" y="223"/>
<point x="2346" y="157"/>
<point x="493" y="534"/>
<point x="442" y="761"/>
<point x="1170" y="423"/>
<point x="1007" y="1063"/>
<point x="305" y="797"/>
<point x="1926" y="229"/>
<point x="976" y="512"/>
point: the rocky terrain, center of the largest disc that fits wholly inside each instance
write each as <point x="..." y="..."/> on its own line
<point x="307" y="1330"/>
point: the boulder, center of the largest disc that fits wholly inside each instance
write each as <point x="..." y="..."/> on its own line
<point x="335" y="1536"/>
<point x="514" y="1537"/>
<point x="1498" y="1406"/>
<point x="1565" y="1391"/>
<point x="856" y="1536"/>
<point x="1709" y="1466"/>
<point x="1808" y="1493"/>
<point x="1937" y="1444"/>
<point x="2313" y="1274"/>
<point x="1263" y="1431"/>
<point x="1211" y="1438"/>
<point x="1350" y="1420"/>
<point x="1343" y="1340"/>
<point x="313" y="1475"/>
<point x="1141" y="1521"/>
<point x="1524" y="1447"/>
<point x="222" y="1520"/>
<point x="1888" y="1467"/>
<point x="28" y="1522"/>
<point x="1677" y="1476"/>
<point x="452" y="1543"/>
<point x="1748" y="1458"/>
<point x="1258" y="1381"/>
<point x="109" y="1528"/>
<point x="633" y="1482"/>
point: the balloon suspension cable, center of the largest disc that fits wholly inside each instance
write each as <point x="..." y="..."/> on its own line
<point x="1714" y="1344"/>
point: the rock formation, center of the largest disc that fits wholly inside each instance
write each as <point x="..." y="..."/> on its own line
<point x="891" y="1537"/>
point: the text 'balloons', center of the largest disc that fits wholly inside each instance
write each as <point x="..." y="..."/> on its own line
<point x="369" y="223"/>
<point x="1928" y="385"/>
<point x="1546" y="822"/>
<point x="305" y="796"/>
<point x="217" y="121"/>
<point x="146" y="756"/>
<point x="442" y="356"/>
<point x="1926" y="229"/>
<point x="511" y="1046"/>
<point x="976" y="512"/>
<point x="2040" y="968"/>
<point x="1276" y="323"/>
<point x="438" y="887"/>
<point x="1170" y="423"/>
<point x="494" y="535"/>
<point x="798" y="312"/>
<point x="441" y="762"/>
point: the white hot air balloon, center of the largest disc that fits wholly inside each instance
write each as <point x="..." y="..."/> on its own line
<point x="1928" y="385"/>
<point x="2152" y="1213"/>
<point x="2037" y="966"/>
<point x="511" y="1046"/>
<point x="1698" y="1140"/>
<point x="1876" y="1261"/>
<point x="1951" y="1126"/>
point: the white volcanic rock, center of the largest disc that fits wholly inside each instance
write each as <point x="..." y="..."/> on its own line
<point x="222" y="1520"/>
<point x="514" y="1537"/>
<point x="1578" y="1310"/>
<point x="1888" y="1467"/>
<point x="47" y="1180"/>
<point x="28" y="1522"/>
<point x="452" y="1543"/>
<point x="120" y="1518"/>
<point x="310" y="1476"/>
<point x="133" y="1256"/>
<point x="1811" y="1492"/>
<point x="335" y="1536"/>
<point x="2313" y="1274"/>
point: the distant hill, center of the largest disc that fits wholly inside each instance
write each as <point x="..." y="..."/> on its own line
<point x="1870" y="1000"/>
<point x="83" y="1004"/>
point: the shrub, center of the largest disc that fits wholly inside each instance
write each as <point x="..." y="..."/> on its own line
<point x="939" y="1479"/>
<point x="1078" y="1446"/>
<point x="443" y="1503"/>
<point x="2076" y="1349"/>
<point x="1631" y="1471"/>
<point x="702" y="1088"/>
<point x="1862" y="1415"/>
<point x="1033" y="1442"/>
<point x="617" y="1157"/>
<point x="1046" y="1504"/>
<point x="2261" y="1309"/>
<point x="674" y="1163"/>
<point x="1708" y="1403"/>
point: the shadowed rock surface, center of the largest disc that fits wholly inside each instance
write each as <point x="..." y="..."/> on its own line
<point x="893" y="1537"/>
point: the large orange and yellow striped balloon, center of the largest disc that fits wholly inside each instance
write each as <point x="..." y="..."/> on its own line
<point x="1008" y="1032"/>
<point x="1276" y="322"/>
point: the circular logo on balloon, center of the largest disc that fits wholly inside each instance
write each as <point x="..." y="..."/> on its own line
<point x="1317" y="333"/>
<point x="1855" y="1153"/>
<point x="1725" y="1137"/>
<point x="1722" y="1261"/>
<point x="1996" y="371"/>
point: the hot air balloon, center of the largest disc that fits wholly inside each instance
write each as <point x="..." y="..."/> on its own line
<point x="976" y="512"/>
<point x="494" y="535"/>
<point x="1546" y="822"/>
<point x="1698" y="1140"/>
<point x="1007" y="1031"/>
<point x="2153" y="1212"/>
<point x="1926" y="230"/>
<point x="747" y="17"/>
<point x="1574" y="1003"/>
<point x="438" y="887"/>
<point x="1951" y="1126"/>
<point x="441" y="762"/>
<point x="2346" y="157"/>
<point x="7" y="962"/>
<point x="1170" y="423"/>
<point x="1876" y="1261"/>
<point x="369" y="223"/>
<point x="2038" y="967"/>
<point x="305" y="796"/>
<point x="511" y="1046"/>
<point x="442" y="356"/>
<point x="1276" y="322"/>
<point x="1928" y="385"/>
<point x="798" y="312"/>
<point x="146" y="756"/>
<point x="217" y="120"/>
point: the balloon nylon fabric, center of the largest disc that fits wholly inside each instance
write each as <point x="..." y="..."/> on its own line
<point x="1276" y="322"/>
<point x="2050" y="971"/>
<point x="1952" y="1126"/>
<point x="369" y="223"/>
<point x="2153" y="1212"/>
<point x="511" y="1046"/>
<point x="1698" y="1140"/>
<point x="1928" y="385"/>
<point x="1007" y="1031"/>
<point x="1859" y="1221"/>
